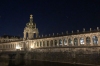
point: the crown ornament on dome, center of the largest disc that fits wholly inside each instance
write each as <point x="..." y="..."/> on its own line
<point x="31" y="18"/>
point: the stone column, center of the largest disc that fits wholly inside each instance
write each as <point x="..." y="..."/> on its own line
<point x="53" y="43"/>
<point x="42" y="43"/>
<point x="72" y="41"/>
<point x="67" y="41"/>
<point x="49" y="43"/>
<point x="91" y="41"/>
<point x="24" y="35"/>
<point x="84" y="41"/>
<point x="28" y="45"/>
<point x="98" y="40"/>
<point x="39" y="43"/>
<point x="78" y="41"/>
<point x="57" y="42"/>
<point x="62" y="42"/>
<point x="46" y="43"/>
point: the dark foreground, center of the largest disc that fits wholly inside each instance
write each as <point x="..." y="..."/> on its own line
<point x="44" y="63"/>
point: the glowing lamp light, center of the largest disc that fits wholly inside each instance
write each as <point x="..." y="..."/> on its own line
<point x="32" y="47"/>
<point x="17" y="47"/>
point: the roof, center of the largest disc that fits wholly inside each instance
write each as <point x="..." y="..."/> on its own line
<point x="9" y="36"/>
<point x="69" y="34"/>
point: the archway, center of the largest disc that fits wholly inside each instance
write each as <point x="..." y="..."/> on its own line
<point x="65" y="42"/>
<point x="37" y="44"/>
<point x="51" y="43"/>
<point x="60" y="42"/>
<point x="70" y="42"/>
<point x="88" y="41"/>
<point x="75" y="41"/>
<point x="47" y="43"/>
<point x="40" y="43"/>
<point x="55" y="42"/>
<point x="81" y="41"/>
<point x="43" y="43"/>
<point x="95" y="40"/>
<point x="34" y="35"/>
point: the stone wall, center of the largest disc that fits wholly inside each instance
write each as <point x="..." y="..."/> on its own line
<point x="72" y="56"/>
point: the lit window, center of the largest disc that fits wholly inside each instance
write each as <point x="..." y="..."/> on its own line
<point x="70" y="42"/>
<point x="60" y="42"/>
<point x="95" y="40"/>
<point x="75" y="41"/>
<point x="81" y="40"/>
<point x="65" y="42"/>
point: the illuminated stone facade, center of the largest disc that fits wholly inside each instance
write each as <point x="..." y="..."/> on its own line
<point x="30" y="29"/>
<point x="85" y="41"/>
<point x="8" y="38"/>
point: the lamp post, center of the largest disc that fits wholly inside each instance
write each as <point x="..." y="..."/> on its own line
<point x="25" y="45"/>
<point x="18" y="47"/>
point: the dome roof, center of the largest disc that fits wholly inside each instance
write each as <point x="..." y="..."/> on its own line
<point x="31" y="24"/>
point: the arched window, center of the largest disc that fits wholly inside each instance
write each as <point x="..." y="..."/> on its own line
<point x="51" y="43"/>
<point x="40" y="43"/>
<point x="60" y="42"/>
<point x="81" y="40"/>
<point x="95" y="40"/>
<point x="34" y="44"/>
<point x="75" y="41"/>
<point x="65" y="42"/>
<point x="37" y="44"/>
<point x="88" y="40"/>
<point x="70" y="42"/>
<point x="11" y="45"/>
<point x="55" y="42"/>
<point x="43" y="43"/>
<point x="47" y="43"/>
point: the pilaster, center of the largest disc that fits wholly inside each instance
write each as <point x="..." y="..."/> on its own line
<point x="49" y="44"/>
<point x="42" y="43"/>
<point x="84" y="41"/>
<point x="62" y="42"/>
<point x="57" y="42"/>
<point x="98" y="40"/>
<point x="78" y="41"/>
<point x="72" y="41"/>
<point x="53" y="43"/>
<point x="91" y="41"/>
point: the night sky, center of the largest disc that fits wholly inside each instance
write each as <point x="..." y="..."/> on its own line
<point x="50" y="16"/>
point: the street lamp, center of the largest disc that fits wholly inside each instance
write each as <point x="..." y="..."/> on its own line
<point x="32" y="47"/>
<point x="18" y="47"/>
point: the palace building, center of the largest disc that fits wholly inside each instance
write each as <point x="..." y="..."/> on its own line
<point x="86" y="40"/>
<point x="9" y="38"/>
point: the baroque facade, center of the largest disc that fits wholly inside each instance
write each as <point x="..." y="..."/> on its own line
<point x="8" y="38"/>
<point x="86" y="40"/>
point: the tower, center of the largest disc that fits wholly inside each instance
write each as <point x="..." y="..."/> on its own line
<point x="30" y="31"/>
